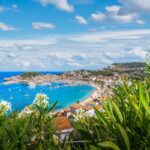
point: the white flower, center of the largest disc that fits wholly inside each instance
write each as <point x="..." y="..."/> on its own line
<point x="50" y="115"/>
<point x="81" y="115"/>
<point x="90" y="113"/>
<point x="41" y="100"/>
<point x="55" y="139"/>
<point x="27" y="111"/>
<point x="129" y="83"/>
<point x="5" y="106"/>
<point x="79" y="111"/>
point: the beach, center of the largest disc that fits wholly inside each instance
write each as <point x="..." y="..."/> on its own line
<point x="94" y="94"/>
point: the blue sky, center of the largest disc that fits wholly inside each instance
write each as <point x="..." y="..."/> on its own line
<point x="72" y="34"/>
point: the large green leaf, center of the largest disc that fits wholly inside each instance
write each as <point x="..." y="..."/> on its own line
<point x="103" y="120"/>
<point x="109" y="144"/>
<point x="143" y="100"/>
<point x="53" y="107"/>
<point x="123" y="137"/>
<point x="108" y="110"/>
<point x="117" y="112"/>
<point x="85" y="134"/>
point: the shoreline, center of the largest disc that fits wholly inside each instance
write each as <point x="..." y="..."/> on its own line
<point x="92" y="96"/>
<point x="48" y="79"/>
<point x="93" y="93"/>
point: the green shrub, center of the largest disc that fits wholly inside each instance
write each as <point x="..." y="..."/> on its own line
<point x="29" y="75"/>
<point x="125" y="122"/>
<point x="148" y="69"/>
<point x="31" y="129"/>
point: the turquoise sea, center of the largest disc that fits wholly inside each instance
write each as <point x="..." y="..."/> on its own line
<point x="21" y="95"/>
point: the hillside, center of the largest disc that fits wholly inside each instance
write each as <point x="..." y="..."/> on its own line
<point x="132" y="70"/>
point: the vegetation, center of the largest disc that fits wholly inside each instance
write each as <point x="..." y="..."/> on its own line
<point x="29" y="75"/>
<point x="148" y="69"/>
<point x="102" y="72"/>
<point x="31" y="129"/>
<point x="125" y="122"/>
<point x="130" y="65"/>
<point x="122" y="124"/>
<point x="134" y="70"/>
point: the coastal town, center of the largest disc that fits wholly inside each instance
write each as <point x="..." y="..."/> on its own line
<point x="108" y="75"/>
<point x="103" y="81"/>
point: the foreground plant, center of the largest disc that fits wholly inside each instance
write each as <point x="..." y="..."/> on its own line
<point x="125" y="122"/>
<point x="148" y="69"/>
<point x="31" y="129"/>
<point x="4" y="107"/>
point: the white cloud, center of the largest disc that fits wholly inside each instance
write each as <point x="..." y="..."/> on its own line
<point x="113" y="9"/>
<point x="60" y="4"/>
<point x="11" y="55"/>
<point x="98" y="16"/>
<point x="26" y="48"/>
<point x="42" y="25"/>
<point x="127" y="18"/>
<point x="137" y="5"/>
<point x="6" y="27"/>
<point x="104" y="36"/>
<point x="81" y="20"/>
<point x="93" y="29"/>
<point x="113" y="13"/>
<point x="2" y="9"/>
<point x="25" y="63"/>
<point x="140" y="22"/>
<point x="27" y="44"/>
<point x="75" y="51"/>
<point x="14" y="6"/>
<point x="138" y="51"/>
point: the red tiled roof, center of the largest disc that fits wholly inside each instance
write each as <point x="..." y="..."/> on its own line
<point x="78" y="106"/>
<point x="98" y="107"/>
<point x="61" y="123"/>
<point x="87" y="107"/>
<point x="66" y="110"/>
